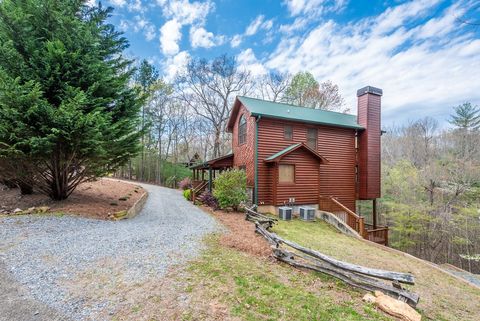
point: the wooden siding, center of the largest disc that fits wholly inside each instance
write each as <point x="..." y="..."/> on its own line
<point x="305" y="190"/>
<point x="369" y="146"/>
<point x="244" y="155"/>
<point x="337" y="178"/>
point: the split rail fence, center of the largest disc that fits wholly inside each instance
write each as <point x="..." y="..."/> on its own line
<point x="355" y="275"/>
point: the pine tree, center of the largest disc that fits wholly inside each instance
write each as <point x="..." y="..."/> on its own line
<point x="67" y="112"/>
<point x="466" y="117"/>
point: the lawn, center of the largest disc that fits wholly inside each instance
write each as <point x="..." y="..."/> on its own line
<point x="255" y="288"/>
<point x="235" y="278"/>
<point x="442" y="297"/>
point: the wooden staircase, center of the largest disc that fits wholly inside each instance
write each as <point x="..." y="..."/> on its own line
<point x="378" y="234"/>
<point x="198" y="188"/>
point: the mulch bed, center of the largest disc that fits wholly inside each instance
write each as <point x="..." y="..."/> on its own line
<point x="99" y="199"/>
<point x="241" y="234"/>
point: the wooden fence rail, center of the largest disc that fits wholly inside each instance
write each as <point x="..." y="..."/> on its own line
<point x="354" y="275"/>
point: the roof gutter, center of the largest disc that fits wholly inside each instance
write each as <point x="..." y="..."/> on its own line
<point x="358" y="127"/>
<point x="255" y="192"/>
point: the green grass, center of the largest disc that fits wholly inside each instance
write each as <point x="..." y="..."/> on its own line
<point x="260" y="289"/>
<point x="442" y="297"/>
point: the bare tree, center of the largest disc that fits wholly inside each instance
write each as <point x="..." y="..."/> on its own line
<point x="272" y="86"/>
<point x="209" y="88"/>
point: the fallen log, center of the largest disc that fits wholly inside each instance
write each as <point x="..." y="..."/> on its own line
<point x="353" y="279"/>
<point x="352" y="274"/>
<point x="382" y="274"/>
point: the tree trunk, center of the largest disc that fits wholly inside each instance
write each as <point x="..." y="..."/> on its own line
<point x="25" y="189"/>
<point x="216" y="145"/>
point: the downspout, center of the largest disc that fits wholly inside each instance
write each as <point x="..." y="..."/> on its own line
<point x="255" y="196"/>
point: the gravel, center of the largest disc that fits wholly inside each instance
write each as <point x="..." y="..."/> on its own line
<point x="44" y="252"/>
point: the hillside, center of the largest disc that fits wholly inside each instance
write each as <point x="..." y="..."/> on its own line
<point x="237" y="279"/>
<point x="442" y="297"/>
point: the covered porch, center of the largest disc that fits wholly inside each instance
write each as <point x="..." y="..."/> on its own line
<point x="204" y="174"/>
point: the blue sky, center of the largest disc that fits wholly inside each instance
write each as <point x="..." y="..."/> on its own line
<point x="418" y="52"/>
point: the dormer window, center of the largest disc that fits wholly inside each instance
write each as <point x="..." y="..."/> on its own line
<point x="242" y="130"/>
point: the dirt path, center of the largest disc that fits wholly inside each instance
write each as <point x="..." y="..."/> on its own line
<point x="83" y="267"/>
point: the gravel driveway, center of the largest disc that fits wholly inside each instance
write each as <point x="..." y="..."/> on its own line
<point x="52" y="262"/>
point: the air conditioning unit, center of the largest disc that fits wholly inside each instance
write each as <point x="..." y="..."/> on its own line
<point x="307" y="213"/>
<point x="285" y="213"/>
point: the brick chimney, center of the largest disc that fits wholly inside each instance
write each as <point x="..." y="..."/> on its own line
<point x="369" y="117"/>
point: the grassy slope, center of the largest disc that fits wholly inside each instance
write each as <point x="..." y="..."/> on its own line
<point x="442" y="297"/>
<point x="254" y="288"/>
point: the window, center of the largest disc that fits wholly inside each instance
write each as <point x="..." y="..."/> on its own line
<point x="312" y="135"/>
<point x="286" y="173"/>
<point x="288" y="132"/>
<point x="242" y="130"/>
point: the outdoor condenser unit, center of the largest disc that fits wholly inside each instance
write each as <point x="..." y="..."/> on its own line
<point x="307" y="213"/>
<point x="285" y="213"/>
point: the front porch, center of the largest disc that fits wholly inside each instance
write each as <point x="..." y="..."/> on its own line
<point x="204" y="174"/>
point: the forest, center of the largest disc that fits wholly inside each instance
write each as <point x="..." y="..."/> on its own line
<point x="430" y="171"/>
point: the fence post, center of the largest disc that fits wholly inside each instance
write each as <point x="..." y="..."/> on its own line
<point x="361" y="227"/>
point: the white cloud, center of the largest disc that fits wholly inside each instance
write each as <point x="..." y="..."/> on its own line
<point x="118" y="3"/>
<point x="258" y="23"/>
<point x="236" y="41"/>
<point x="314" y="7"/>
<point x="199" y="37"/>
<point x="186" y="12"/>
<point x="247" y="60"/>
<point x="136" y="6"/>
<point x="298" y="24"/>
<point x="254" y="25"/>
<point x="430" y="68"/>
<point x="175" y="64"/>
<point x="170" y="35"/>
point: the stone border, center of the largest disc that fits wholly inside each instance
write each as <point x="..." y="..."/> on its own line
<point x="138" y="206"/>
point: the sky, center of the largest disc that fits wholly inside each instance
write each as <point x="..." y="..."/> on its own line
<point x="424" y="54"/>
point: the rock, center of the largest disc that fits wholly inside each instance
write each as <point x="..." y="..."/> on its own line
<point x="17" y="211"/>
<point x="42" y="209"/>
<point x="369" y="298"/>
<point x="120" y="215"/>
<point x="396" y="308"/>
<point x="30" y="210"/>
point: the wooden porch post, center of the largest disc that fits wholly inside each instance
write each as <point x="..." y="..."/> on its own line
<point x="203" y="174"/>
<point x="210" y="179"/>
<point x="374" y="218"/>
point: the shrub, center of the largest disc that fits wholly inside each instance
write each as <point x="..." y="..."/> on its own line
<point x="231" y="189"/>
<point x="185" y="183"/>
<point x="187" y="194"/>
<point x="206" y="198"/>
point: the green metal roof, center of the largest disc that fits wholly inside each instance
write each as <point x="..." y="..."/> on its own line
<point x="302" y="114"/>
<point x="283" y="151"/>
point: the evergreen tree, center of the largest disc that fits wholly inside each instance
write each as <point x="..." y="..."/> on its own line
<point x="67" y="113"/>
<point x="466" y="117"/>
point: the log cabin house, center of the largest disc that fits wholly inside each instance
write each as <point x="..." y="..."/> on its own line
<point x="301" y="156"/>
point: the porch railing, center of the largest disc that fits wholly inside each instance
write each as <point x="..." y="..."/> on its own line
<point x="198" y="188"/>
<point x="352" y="219"/>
